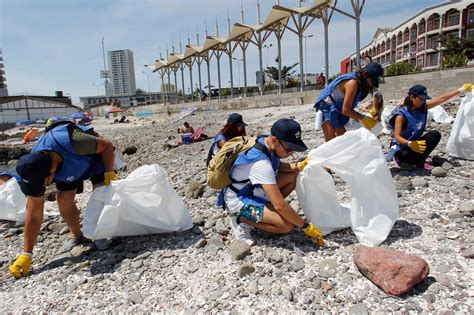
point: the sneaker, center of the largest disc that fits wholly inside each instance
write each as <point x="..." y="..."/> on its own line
<point x="242" y="231"/>
<point x="427" y="166"/>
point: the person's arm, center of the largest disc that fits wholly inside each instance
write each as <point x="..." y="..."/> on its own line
<point x="33" y="221"/>
<point x="350" y="88"/>
<point x="220" y="143"/>
<point x="281" y="206"/>
<point x="106" y="151"/>
<point x="288" y="168"/>
<point x="441" y="99"/>
<point x="399" y="122"/>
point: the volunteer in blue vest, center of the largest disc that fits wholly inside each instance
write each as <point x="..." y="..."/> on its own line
<point x="5" y="176"/>
<point x="339" y="100"/>
<point x="411" y="145"/>
<point x="260" y="184"/>
<point x="235" y="127"/>
<point x="66" y="155"/>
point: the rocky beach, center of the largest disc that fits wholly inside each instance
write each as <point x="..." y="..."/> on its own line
<point x="203" y="270"/>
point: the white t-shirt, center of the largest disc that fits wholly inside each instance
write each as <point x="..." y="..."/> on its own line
<point x="260" y="172"/>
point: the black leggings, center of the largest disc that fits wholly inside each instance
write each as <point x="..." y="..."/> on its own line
<point x="409" y="156"/>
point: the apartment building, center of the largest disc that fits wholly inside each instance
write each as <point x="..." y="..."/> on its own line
<point x="122" y="72"/>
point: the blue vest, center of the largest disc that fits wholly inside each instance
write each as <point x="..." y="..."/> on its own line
<point x="218" y="138"/>
<point x="11" y="175"/>
<point x="415" y="123"/>
<point x="75" y="167"/>
<point x="336" y="105"/>
<point x="245" y="194"/>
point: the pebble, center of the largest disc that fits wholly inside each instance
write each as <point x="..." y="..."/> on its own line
<point x="468" y="253"/>
<point x="297" y="263"/>
<point x="135" y="297"/>
<point x="253" y="287"/>
<point x="452" y="235"/>
<point x="359" y="309"/>
<point x="438" y="172"/>
<point x="239" y="249"/>
<point x="245" y="269"/>
<point x="287" y="293"/>
<point x="201" y="243"/>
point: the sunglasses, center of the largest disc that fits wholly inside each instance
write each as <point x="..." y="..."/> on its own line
<point x="285" y="147"/>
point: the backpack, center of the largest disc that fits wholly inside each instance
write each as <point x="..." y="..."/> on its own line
<point x="219" y="166"/>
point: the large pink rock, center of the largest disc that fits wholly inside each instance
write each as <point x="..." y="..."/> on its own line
<point x="393" y="271"/>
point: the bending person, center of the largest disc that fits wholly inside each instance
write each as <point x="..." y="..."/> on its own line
<point x="410" y="144"/>
<point x="65" y="155"/>
<point x="338" y="101"/>
<point x="235" y="127"/>
<point x="260" y="184"/>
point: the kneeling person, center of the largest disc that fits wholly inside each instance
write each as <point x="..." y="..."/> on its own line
<point x="66" y="155"/>
<point x="260" y="184"/>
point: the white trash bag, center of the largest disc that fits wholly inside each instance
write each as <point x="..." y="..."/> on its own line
<point x="12" y="201"/>
<point x="143" y="203"/>
<point x="439" y="115"/>
<point x="358" y="159"/>
<point x="461" y="139"/>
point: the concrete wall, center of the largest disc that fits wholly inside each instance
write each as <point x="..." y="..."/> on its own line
<point x="437" y="83"/>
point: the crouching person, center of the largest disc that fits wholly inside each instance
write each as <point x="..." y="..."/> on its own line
<point x="66" y="155"/>
<point x="261" y="182"/>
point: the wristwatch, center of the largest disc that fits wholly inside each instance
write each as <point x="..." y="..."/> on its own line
<point x="409" y="143"/>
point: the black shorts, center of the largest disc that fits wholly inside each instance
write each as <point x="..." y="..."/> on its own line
<point x="79" y="185"/>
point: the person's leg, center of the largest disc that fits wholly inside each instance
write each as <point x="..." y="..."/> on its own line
<point x="339" y="131"/>
<point x="68" y="209"/>
<point x="432" y="139"/>
<point x="33" y="221"/>
<point x="270" y="221"/>
<point x="328" y="131"/>
<point x="408" y="156"/>
<point x="286" y="182"/>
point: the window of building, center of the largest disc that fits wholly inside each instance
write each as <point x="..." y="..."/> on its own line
<point x="470" y="34"/>
<point x="453" y="19"/>
<point x="470" y="16"/>
<point x="421" y="44"/>
<point x="432" y="60"/>
<point x="421" y="27"/>
<point x="420" y="62"/>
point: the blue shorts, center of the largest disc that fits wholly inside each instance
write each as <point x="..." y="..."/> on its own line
<point x="252" y="213"/>
<point x="336" y="119"/>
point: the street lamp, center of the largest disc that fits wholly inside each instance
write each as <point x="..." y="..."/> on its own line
<point x="238" y="65"/>
<point x="305" y="59"/>
<point x="148" y="82"/>
<point x="267" y="46"/>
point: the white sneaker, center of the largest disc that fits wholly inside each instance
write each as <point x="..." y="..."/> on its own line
<point x="242" y="231"/>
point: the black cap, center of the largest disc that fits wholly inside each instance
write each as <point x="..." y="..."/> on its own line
<point x="33" y="168"/>
<point x="420" y="91"/>
<point x="236" y="118"/>
<point x="374" y="71"/>
<point x="289" y="131"/>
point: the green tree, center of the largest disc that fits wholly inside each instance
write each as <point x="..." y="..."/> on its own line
<point x="286" y="72"/>
<point x="456" y="51"/>
<point x="401" y="68"/>
<point x="139" y="92"/>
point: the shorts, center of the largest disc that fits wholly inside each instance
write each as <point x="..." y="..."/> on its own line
<point x="79" y="184"/>
<point x="252" y="213"/>
<point x="336" y="119"/>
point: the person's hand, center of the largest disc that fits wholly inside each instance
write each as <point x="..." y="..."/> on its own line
<point x="301" y="165"/>
<point x="110" y="176"/>
<point x="369" y="122"/>
<point x="465" y="88"/>
<point x="315" y="233"/>
<point x="21" y="266"/>
<point x="419" y="146"/>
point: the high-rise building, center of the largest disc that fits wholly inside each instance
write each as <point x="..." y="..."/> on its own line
<point x="122" y="72"/>
<point x="3" y="85"/>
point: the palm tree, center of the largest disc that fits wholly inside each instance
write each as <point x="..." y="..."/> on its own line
<point x="286" y="72"/>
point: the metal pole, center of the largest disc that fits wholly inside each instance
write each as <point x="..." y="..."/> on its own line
<point x="326" y="45"/>
<point x="305" y="60"/>
<point x="260" y="61"/>
<point x="279" y="59"/>
<point x="300" y="44"/>
<point x="208" y="77"/>
<point x="182" y="83"/>
<point x="230" y="59"/>
<point x="169" y="85"/>
<point x="175" y="86"/>
<point x="357" y="7"/>
<point x="199" y="59"/>
<point x="219" y="74"/>
<point x="244" y="61"/>
<point x="191" y="79"/>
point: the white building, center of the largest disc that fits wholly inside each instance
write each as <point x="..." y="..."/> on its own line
<point x="3" y="85"/>
<point x="416" y="40"/>
<point x="18" y="108"/>
<point x="122" y="71"/>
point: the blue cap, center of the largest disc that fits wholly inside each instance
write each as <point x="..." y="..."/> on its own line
<point x="420" y="91"/>
<point x="33" y="169"/>
<point x="289" y="131"/>
<point x="81" y="116"/>
<point x="236" y="118"/>
<point x="374" y="71"/>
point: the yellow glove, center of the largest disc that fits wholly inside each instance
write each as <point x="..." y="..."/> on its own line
<point x="465" y="88"/>
<point x="301" y="165"/>
<point x="110" y="176"/>
<point x="315" y="233"/>
<point x="369" y="122"/>
<point x="21" y="266"/>
<point x="419" y="146"/>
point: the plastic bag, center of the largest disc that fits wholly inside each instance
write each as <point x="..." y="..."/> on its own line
<point x="354" y="125"/>
<point x="318" y="122"/>
<point x="439" y="115"/>
<point x="12" y="201"/>
<point x="461" y="139"/>
<point x="143" y="203"/>
<point x="358" y="159"/>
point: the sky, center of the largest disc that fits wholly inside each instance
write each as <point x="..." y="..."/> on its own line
<point x="55" y="45"/>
